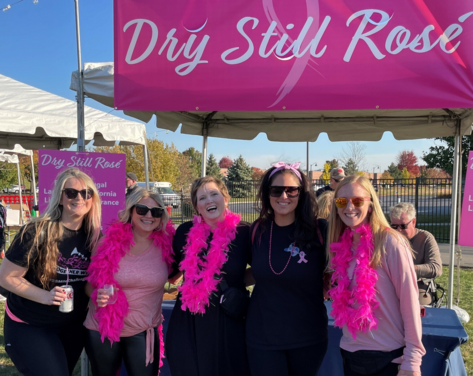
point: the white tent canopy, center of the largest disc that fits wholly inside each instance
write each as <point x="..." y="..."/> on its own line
<point x="36" y="119"/>
<point x="295" y="126"/>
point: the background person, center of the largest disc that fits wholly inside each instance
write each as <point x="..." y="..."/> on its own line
<point x="135" y="256"/>
<point x="202" y="339"/>
<point x="39" y="338"/>
<point x="375" y="297"/>
<point x="287" y="319"/>
<point x="324" y="204"/>
<point x="131" y="183"/>
<point x="427" y="259"/>
<point x="336" y="176"/>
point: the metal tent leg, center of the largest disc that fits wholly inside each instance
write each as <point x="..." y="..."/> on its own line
<point x="453" y="220"/>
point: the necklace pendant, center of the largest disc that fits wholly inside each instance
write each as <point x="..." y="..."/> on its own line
<point x="302" y="258"/>
<point x="292" y="249"/>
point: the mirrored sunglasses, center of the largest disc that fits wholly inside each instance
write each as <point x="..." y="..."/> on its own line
<point x="156" y="212"/>
<point x="72" y="193"/>
<point x="291" y="192"/>
<point x="403" y="226"/>
<point x="357" y="202"/>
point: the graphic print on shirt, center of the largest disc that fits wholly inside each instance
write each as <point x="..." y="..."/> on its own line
<point x="77" y="265"/>
<point x="296" y="251"/>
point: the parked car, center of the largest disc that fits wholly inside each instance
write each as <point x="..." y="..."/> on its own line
<point x="164" y="189"/>
<point x="14" y="188"/>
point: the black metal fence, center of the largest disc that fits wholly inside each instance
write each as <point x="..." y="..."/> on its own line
<point x="431" y="198"/>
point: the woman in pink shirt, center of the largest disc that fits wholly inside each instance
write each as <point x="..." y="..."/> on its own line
<point x="134" y="257"/>
<point x="375" y="297"/>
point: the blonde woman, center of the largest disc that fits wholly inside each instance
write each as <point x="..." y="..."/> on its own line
<point x="324" y="203"/>
<point x="375" y="297"/>
<point x="135" y="257"/>
<point x="46" y="253"/>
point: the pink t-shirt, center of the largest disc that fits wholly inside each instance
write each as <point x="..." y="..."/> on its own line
<point x="398" y="314"/>
<point x="142" y="279"/>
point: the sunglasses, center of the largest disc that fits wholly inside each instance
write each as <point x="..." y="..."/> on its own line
<point x="357" y="202"/>
<point x="143" y="210"/>
<point x="72" y="193"/>
<point x="402" y="226"/>
<point x="291" y="192"/>
<point x="336" y="180"/>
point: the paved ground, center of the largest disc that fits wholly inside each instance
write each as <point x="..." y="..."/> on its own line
<point x="467" y="255"/>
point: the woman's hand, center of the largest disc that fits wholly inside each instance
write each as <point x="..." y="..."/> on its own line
<point x="408" y="373"/>
<point x="102" y="298"/>
<point x="54" y="297"/>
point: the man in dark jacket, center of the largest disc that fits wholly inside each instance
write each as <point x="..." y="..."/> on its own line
<point x="336" y="176"/>
<point x="131" y="182"/>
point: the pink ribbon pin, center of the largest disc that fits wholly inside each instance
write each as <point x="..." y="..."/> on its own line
<point x="302" y="257"/>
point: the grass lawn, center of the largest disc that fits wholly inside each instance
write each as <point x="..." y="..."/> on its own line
<point x="466" y="302"/>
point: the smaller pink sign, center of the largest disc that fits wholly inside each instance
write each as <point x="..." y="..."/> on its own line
<point x="466" y="223"/>
<point x="106" y="170"/>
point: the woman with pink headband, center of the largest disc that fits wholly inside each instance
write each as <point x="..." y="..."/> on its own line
<point x="286" y="331"/>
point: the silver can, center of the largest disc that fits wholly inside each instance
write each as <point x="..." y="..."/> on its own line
<point x="68" y="304"/>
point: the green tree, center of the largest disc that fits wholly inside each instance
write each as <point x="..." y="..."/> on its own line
<point x="405" y="175"/>
<point x="195" y="160"/>
<point x="163" y="160"/>
<point x="441" y="156"/>
<point x="351" y="168"/>
<point x="8" y="174"/>
<point x="212" y="167"/>
<point x="394" y="171"/>
<point x="326" y="173"/>
<point x="239" y="176"/>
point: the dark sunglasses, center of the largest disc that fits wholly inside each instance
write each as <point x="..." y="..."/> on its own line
<point x="336" y="180"/>
<point x="143" y="210"/>
<point x="291" y="192"/>
<point x="357" y="202"/>
<point x="72" y="193"/>
<point x="402" y="226"/>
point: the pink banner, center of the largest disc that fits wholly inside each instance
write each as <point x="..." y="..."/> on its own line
<point x="106" y="170"/>
<point x="277" y="55"/>
<point x="466" y="223"/>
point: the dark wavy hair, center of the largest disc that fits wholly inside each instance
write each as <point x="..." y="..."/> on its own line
<point x="305" y="231"/>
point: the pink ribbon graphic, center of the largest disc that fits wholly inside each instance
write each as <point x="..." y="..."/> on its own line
<point x="302" y="258"/>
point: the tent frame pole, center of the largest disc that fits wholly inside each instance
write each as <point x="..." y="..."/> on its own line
<point x="80" y="93"/>
<point x="453" y="219"/>
<point x="19" y="191"/>
<point x="145" y="158"/>
<point x="84" y="360"/>
<point x="35" y="197"/>
<point x="205" y="131"/>
<point x="307" y="161"/>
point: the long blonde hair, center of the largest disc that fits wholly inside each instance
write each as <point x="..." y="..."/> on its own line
<point x="49" y="231"/>
<point x="377" y="220"/>
<point x="325" y="203"/>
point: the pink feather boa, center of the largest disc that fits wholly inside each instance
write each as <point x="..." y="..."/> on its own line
<point x="115" y="244"/>
<point x="354" y="308"/>
<point x="202" y="274"/>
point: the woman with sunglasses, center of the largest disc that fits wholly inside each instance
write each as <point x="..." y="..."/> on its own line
<point x="212" y="251"/>
<point x="375" y="298"/>
<point x="287" y="319"/>
<point x="51" y="251"/>
<point x="126" y="281"/>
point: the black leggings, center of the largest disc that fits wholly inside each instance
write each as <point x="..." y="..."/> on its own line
<point x="106" y="360"/>
<point x="303" y="361"/>
<point x="39" y="351"/>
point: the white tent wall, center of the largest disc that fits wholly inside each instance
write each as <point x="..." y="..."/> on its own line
<point x="29" y="153"/>
<point x="300" y="126"/>
<point x="36" y="119"/>
<point x="13" y="158"/>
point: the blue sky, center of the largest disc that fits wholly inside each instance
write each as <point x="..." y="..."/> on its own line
<point x="38" y="47"/>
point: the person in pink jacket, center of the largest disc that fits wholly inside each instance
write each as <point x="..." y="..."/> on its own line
<point x="375" y="296"/>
